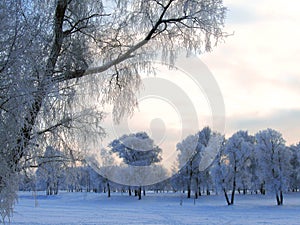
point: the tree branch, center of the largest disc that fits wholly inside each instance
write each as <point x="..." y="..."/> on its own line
<point x="63" y="122"/>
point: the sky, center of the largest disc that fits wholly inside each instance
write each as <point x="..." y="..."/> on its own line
<point x="256" y="70"/>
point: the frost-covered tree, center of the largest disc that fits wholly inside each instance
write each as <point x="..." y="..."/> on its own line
<point x="27" y="181"/>
<point x="137" y="149"/>
<point x="103" y="164"/>
<point x="274" y="162"/>
<point x="194" y="158"/>
<point x="50" y="171"/>
<point x="189" y="158"/>
<point x="58" y="56"/>
<point x="295" y="163"/>
<point x="209" y="155"/>
<point x="236" y="162"/>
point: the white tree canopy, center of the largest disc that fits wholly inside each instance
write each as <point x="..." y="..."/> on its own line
<point x="274" y="161"/>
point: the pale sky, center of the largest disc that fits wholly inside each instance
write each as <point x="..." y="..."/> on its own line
<point x="257" y="70"/>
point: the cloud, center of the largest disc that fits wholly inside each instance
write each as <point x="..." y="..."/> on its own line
<point x="285" y="121"/>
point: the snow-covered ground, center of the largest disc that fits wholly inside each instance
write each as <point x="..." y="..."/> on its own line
<point x="92" y="208"/>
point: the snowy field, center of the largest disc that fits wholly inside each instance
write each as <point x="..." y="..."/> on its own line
<point x="91" y="208"/>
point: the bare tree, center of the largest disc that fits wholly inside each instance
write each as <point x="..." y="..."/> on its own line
<point x="58" y="56"/>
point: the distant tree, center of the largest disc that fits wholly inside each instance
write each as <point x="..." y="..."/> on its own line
<point x="51" y="170"/>
<point x="27" y="181"/>
<point x="102" y="164"/>
<point x="209" y="155"/>
<point x="205" y="182"/>
<point x="295" y="163"/>
<point x="189" y="158"/>
<point x="193" y="152"/>
<point x="136" y="150"/>
<point x="274" y="162"/>
<point x="237" y="159"/>
<point x="255" y="183"/>
<point x="220" y="170"/>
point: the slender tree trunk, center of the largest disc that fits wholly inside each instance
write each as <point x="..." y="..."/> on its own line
<point x="226" y="197"/>
<point x="47" y="189"/>
<point x="108" y="190"/>
<point x="262" y="189"/>
<point x="279" y="198"/>
<point x="233" y="191"/>
<point x="190" y="181"/>
<point x="189" y="192"/>
<point x="56" y="188"/>
<point x="129" y="191"/>
<point x="207" y="191"/>
<point x="196" y="188"/>
<point x="140" y="193"/>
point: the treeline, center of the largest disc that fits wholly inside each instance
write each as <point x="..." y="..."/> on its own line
<point x="207" y="163"/>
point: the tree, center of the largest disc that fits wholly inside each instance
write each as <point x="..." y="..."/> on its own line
<point x="136" y="150"/>
<point x="295" y="163"/>
<point x="50" y="171"/>
<point x="274" y="162"/>
<point x="103" y="163"/>
<point x="193" y="152"/>
<point x="47" y="47"/>
<point x="237" y="161"/>
<point x="189" y="158"/>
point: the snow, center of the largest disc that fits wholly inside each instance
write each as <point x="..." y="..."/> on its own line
<point x="163" y="208"/>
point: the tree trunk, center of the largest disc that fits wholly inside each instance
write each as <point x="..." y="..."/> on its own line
<point x="55" y="188"/>
<point x="140" y="193"/>
<point x="226" y="197"/>
<point x="262" y="189"/>
<point x="108" y="190"/>
<point x="189" y="192"/>
<point x="196" y="188"/>
<point x="129" y="191"/>
<point x="279" y="198"/>
<point x="207" y="191"/>
<point x="233" y="191"/>
<point x="47" y="189"/>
